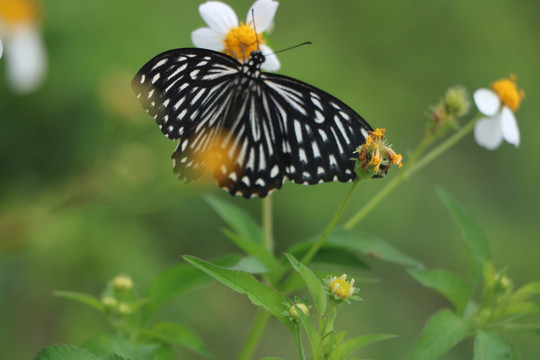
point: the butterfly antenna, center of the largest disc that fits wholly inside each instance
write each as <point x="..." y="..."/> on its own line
<point x="290" y="48"/>
<point x="255" y="28"/>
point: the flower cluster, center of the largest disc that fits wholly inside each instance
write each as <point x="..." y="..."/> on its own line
<point x="237" y="39"/>
<point x="498" y="104"/>
<point x="449" y="109"/>
<point x="376" y="156"/>
<point x="119" y="298"/>
<point x="341" y="289"/>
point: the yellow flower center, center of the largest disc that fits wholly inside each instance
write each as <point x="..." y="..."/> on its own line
<point x="14" y="12"/>
<point x="241" y="41"/>
<point x="508" y="92"/>
<point x="340" y="287"/>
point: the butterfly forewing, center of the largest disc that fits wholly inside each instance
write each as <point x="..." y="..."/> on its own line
<point x="250" y="129"/>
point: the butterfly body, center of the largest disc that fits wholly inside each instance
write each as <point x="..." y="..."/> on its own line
<point x="250" y="128"/>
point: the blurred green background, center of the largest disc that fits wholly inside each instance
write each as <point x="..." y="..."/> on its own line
<point x="87" y="189"/>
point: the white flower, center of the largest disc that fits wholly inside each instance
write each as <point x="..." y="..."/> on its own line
<point x="498" y="105"/>
<point x="25" y="55"/>
<point x="226" y="34"/>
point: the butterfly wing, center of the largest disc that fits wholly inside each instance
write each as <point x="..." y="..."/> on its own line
<point x="201" y="98"/>
<point x="318" y="133"/>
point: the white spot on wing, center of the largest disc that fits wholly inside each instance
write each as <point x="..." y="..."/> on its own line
<point x="275" y="171"/>
<point x="159" y="63"/>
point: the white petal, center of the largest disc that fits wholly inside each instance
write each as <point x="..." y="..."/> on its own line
<point x="219" y="16"/>
<point x="272" y="62"/>
<point x="263" y="14"/>
<point x="509" y="126"/>
<point x="486" y="101"/>
<point x="26" y="59"/>
<point x="488" y="133"/>
<point x="1" y="48"/>
<point x="208" y="39"/>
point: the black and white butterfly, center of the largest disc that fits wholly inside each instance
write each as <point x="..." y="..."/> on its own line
<point x="251" y="129"/>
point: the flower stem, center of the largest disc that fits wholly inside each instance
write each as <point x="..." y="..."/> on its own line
<point x="286" y="287"/>
<point x="268" y="224"/>
<point x="412" y="167"/>
<point x="255" y="334"/>
<point x="445" y="145"/>
<point x="322" y="239"/>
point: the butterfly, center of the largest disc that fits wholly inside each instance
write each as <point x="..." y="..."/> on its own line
<point x="250" y="129"/>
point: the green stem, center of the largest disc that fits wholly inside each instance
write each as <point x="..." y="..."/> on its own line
<point x="322" y="239"/>
<point x="255" y="334"/>
<point x="268" y="223"/>
<point x="411" y="168"/>
<point x="445" y="145"/>
<point x="262" y="316"/>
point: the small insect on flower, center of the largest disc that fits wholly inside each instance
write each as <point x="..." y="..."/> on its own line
<point x="375" y="156"/>
<point x="498" y="104"/>
<point x="341" y="289"/>
<point x="250" y="129"/>
<point x="225" y="34"/>
<point x="25" y="54"/>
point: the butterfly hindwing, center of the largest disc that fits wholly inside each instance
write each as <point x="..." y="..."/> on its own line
<point x="319" y="132"/>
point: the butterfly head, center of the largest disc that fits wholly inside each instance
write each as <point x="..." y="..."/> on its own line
<point x="253" y="66"/>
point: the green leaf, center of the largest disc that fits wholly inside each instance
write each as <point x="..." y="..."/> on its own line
<point x="238" y="220"/>
<point x="246" y="234"/>
<point x="341" y="351"/>
<point x="244" y="283"/>
<point x="313" y="335"/>
<point x="271" y="358"/>
<point x="527" y="291"/>
<point x="493" y="346"/>
<point x="477" y="245"/>
<point x="165" y="353"/>
<point x="251" y="265"/>
<point x="520" y="308"/>
<point x="178" y="280"/>
<point x="329" y="254"/>
<point x="442" y="332"/>
<point x="371" y="246"/>
<point x="313" y="283"/>
<point x="254" y="248"/>
<point x="449" y="285"/>
<point x="105" y="345"/>
<point x="178" y="334"/>
<point x="64" y="352"/>
<point x="82" y="298"/>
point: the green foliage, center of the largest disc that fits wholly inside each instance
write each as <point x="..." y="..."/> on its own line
<point x="82" y="298"/>
<point x="64" y="352"/>
<point x="442" y="332"/>
<point x="177" y="280"/>
<point x="493" y="346"/>
<point x="371" y="246"/>
<point x="476" y="244"/>
<point x="313" y="284"/>
<point x="446" y="283"/>
<point x="498" y="309"/>
<point x="260" y="294"/>
<point x="177" y="334"/>
<point x="345" y="349"/>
